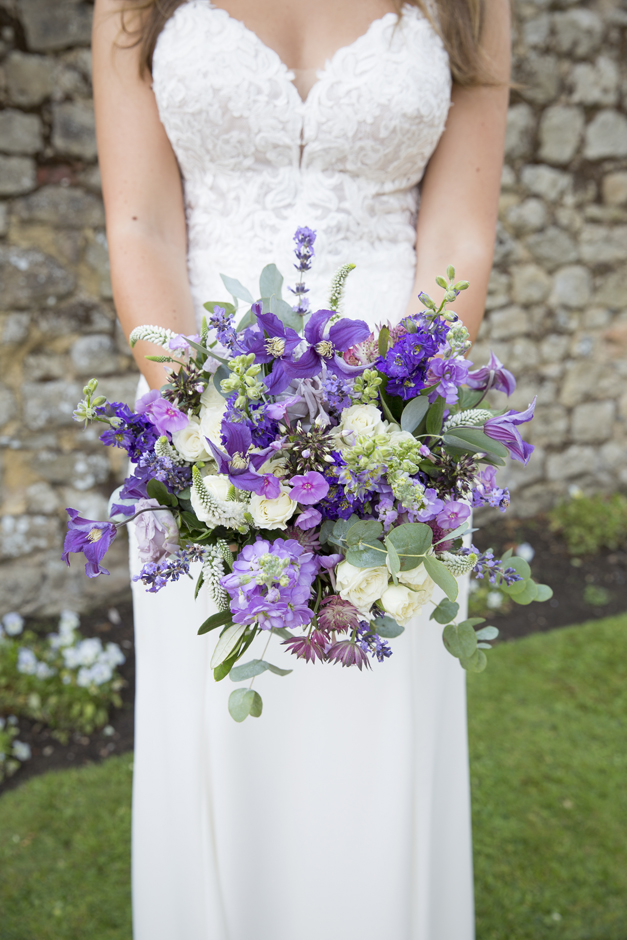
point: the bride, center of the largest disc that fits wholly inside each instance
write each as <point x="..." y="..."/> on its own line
<point x="344" y="813"/>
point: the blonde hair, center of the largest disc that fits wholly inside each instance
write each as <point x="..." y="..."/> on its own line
<point x="459" y="23"/>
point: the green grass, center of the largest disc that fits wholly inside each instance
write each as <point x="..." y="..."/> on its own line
<point x="549" y="774"/>
<point x="549" y="779"/>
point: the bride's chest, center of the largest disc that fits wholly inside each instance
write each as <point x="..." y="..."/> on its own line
<point x="228" y="103"/>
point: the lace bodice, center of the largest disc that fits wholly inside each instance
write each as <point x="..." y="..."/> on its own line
<point x="258" y="161"/>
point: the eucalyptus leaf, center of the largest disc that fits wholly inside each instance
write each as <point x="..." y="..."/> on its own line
<point x="475" y="663"/>
<point x="326" y="530"/>
<point x="386" y="627"/>
<point x="520" y="566"/>
<point x="340" y="528"/>
<point x="483" y="646"/>
<point x="413" y="413"/>
<point x="228" y="308"/>
<point x="279" y="672"/>
<point x="528" y="595"/>
<point x="248" y="670"/>
<point x="468" y="398"/>
<point x="368" y="555"/>
<point x="435" y="416"/>
<point x="515" y="588"/>
<point x="455" y="533"/>
<point x="245" y="702"/>
<point x="247" y="320"/>
<point x="487" y="633"/>
<point x="271" y="281"/>
<point x="450" y="639"/>
<point x="237" y="289"/>
<point x="411" y="540"/>
<point x="221" y="373"/>
<point x="286" y="314"/>
<point x="369" y="530"/>
<point x="545" y="593"/>
<point x="480" y="441"/>
<point x="445" y="611"/>
<point x="394" y="560"/>
<point x="507" y="555"/>
<point x="227" y="643"/>
<point x="283" y="632"/>
<point x="442" y="577"/>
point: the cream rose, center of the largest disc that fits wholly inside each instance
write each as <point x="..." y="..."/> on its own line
<point x="361" y="586"/>
<point x="418" y="579"/>
<point x="272" y="513"/>
<point x="401" y="603"/>
<point x="218" y="485"/>
<point x="189" y="442"/>
<point x="211" y="423"/>
<point x="363" y="419"/>
<point x="398" y="437"/>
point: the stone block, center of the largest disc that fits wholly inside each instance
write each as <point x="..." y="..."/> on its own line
<point x="81" y="316"/>
<point x="30" y="78"/>
<point x="529" y="216"/>
<point x="539" y="76"/>
<point x="606" y="136"/>
<point x="520" y="131"/>
<point x="545" y="181"/>
<point x="97" y="257"/>
<point x="504" y="246"/>
<point x="572" y="462"/>
<point x="58" y="25"/>
<point x="41" y="498"/>
<point x="498" y="293"/>
<point x="4" y="219"/>
<point x="578" y="32"/>
<point x="552" y="247"/>
<point x="592" y="421"/>
<point x="582" y="378"/>
<point x="19" y="584"/>
<point x="73" y="129"/>
<point x="508" y="322"/>
<point x="20" y="133"/>
<point x="22" y="535"/>
<point x="572" y="287"/>
<point x="8" y="405"/>
<point x="90" y="179"/>
<point x="549" y="426"/>
<point x="530" y="284"/>
<point x="602" y="244"/>
<point x="61" y="206"/>
<point x="42" y="367"/>
<point x="95" y="355"/>
<point x="536" y="31"/>
<point x="614" y="188"/>
<point x="17" y="175"/>
<point x="14" y="328"/>
<point x="508" y="178"/>
<point x="50" y="404"/>
<point x="612" y="290"/>
<point x="120" y="388"/>
<point x="560" y="133"/>
<point x="29" y="277"/>
<point x="90" y="504"/>
<point x="595" y="84"/>
<point x="554" y="347"/>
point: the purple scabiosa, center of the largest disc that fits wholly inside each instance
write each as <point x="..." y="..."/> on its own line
<point x="448" y="375"/>
<point x="348" y="653"/>
<point x="309" y="488"/>
<point x="493" y="375"/>
<point x="91" y="538"/>
<point x="505" y="429"/>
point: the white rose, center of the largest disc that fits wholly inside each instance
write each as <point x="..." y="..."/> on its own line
<point x="418" y="579"/>
<point x="363" y="419"/>
<point x="211" y="397"/>
<point x="361" y="586"/>
<point x="397" y="436"/>
<point x="211" y="422"/>
<point x="402" y="603"/>
<point x="229" y="512"/>
<point x="190" y="443"/>
<point x="272" y="513"/>
<point x="218" y="484"/>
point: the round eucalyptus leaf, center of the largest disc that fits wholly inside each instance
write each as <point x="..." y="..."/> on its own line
<point x="475" y="663"/>
<point x="386" y="627"/>
<point x="520" y="566"/>
<point x="528" y="595"/>
<point x="545" y="593"/>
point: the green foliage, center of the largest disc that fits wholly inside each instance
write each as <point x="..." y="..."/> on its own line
<point x="591" y="523"/>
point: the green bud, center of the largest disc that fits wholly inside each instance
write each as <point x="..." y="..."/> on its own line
<point x="441" y="282"/>
<point x="461" y="285"/>
<point x="450" y="272"/>
<point x="97" y="402"/>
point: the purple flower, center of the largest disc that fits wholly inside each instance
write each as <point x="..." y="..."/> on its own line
<point x="337" y="615"/>
<point x="505" y="430"/>
<point x="494" y="375"/>
<point x="453" y="515"/>
<point x="308" y="648"/>
<point x="240" y="466"/>
<point x="278" y="410"/>
<point x="91" y="538"/>
<point x="165" y="416"/>
<point x="433" y="506"/>
<point x="448" y="374"/>
<point x="325" y="346"/>
<point x="181" y="342"/>
<point x="304" y="251"/>
<point x="157" y="532"/>
<point x="309" y="488"/>
<point x="348" y="653"/>
<point x="487" y="493"/>
<point x="309" y="519"/>
<point x="405" y="364"/>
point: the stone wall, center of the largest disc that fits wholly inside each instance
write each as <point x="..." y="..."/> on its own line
<point x="557" y="304"/>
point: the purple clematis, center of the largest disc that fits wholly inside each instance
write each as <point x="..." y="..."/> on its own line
<point x="505" y="430"/>
<point x="325" y="346"/>
<point x="271" y="341"/>
<point x="240" y="466"/>
<point x="494" y="375"/>
<point x="91" y="538"/>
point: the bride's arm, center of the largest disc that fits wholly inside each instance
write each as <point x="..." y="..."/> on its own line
<point x="460" y="192"/>
<point x="142" y="193"/>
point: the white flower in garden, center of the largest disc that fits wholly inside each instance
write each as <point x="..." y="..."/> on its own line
<point x="21" y="750"/>
<point x="69" y="621"/>
<point x="401" y="603"/>
<point x="189" y="442"/>
<point x="112" y="656"/>
<point x="101" y="672"/>
<point x="26" y="662"/>
<point x="44" y="671"/>
<point x="85" y="653"/>
<point x="272" y="513"/>
<point x="83" y="679"/>
<point x="362" y="419"/>
<point x="361" y="586"/>
<point x="13" y="623"/>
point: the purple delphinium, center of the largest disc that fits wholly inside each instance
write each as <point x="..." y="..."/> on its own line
<point x="448" y="375"/>
<point x="406" y="363"/>
<point x="326" y="346"/>
<point x="165" y="416"/>
<point x="222" y="322"/>
<point x="487" y="493"/>
<point x="505" y="430"/>
<point x="493" y="375"/>
<point x="133" y="432"/>
<point x="91" y="538"/>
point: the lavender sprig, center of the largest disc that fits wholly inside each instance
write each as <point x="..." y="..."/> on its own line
<point x="304" y="251"/>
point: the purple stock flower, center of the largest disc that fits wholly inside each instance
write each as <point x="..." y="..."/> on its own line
<point x="309" y="519"/>
<point x="453" y="515"/>
<point x="325" y="346"/>
<point x="91" y="538"/>
<point x="494" y="375"/>
<point x="448" y="374"/>
<point x="240" y="466"/>
<point x="505" y="430"/>
<point x="487" y="493"/>
<point x="309" y="488"/>
<point x="432" y="508"/>
<point x="165" y="416"/>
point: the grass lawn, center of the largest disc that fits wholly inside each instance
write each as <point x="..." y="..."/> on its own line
<point x="549" y="767"/>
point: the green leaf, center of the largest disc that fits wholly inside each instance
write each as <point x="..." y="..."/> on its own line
<point x="271" y="281"/>
<point x="445" y="611"/>
<point x="384" y="340"/>
<point x="515" y="588"/>
<point x="279" y="672"/>
<point x="364" y="531"/>
<point x="245" y="702"/>
<point x="199" y="584"/>
<point x="237" y="289"/>
<point x="228" y="308"/>
<point x="283" y="632"/>
<point x="395" y="561"/>
<point x="221" y="373"/>
<point x="326" y="531"/>
<point x="340" y="528"/>
<point x="228" y="641"/>
<point x="411" y="540"/>
<point x="368" y="555"/>
<point x="442" y="577"/>
<point x="468" y="398"/>
<point x="460" y="639"/>
<point x="158" y="490"/>
<point x="455" y="533"/>
<point x="387" y="627"/>
<point x="475" y="663"/>
<point x="487" y="633"/>
<point x="286" y="315"/>
<point x="222" y="671"/>
<point x="435" y="416"/>
<point x="520" y="566"/>
<point x="545" y="593"/>
<point x="254" y="668"/>
<point x="413" y="413"/>
<point x="507" y="555"/>
<point x="248" y="319"/>
<point x="482" y="441"/>
<point x="528" y="595"/>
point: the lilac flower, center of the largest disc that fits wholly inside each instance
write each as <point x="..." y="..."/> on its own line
<point x="91" y="538"/>
<point x="157" y="532"/>
<point x="494" y="375"/>
<point x="505" y="430"/>
<point x="165" y="416"/>
<point x="348" y="653"/>
<point x="487" y="493"/>
<point x="240" y="466"/>
<point x="453" y="515"/>
<point x="325" y="346"/>
<point x="448" y="375"/>
<point x="310" y="518"/>
<point x="309" y="488"/>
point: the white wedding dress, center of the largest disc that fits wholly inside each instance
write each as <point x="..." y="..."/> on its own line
<point x="343" y="812"/>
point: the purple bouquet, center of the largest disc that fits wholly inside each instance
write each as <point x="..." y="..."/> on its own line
<point x="321" y="475"/>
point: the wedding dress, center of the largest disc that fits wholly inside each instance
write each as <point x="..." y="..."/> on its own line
<point x="343" y="812"/>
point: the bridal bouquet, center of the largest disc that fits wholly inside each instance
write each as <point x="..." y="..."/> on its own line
<point x="321" y="474"/>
